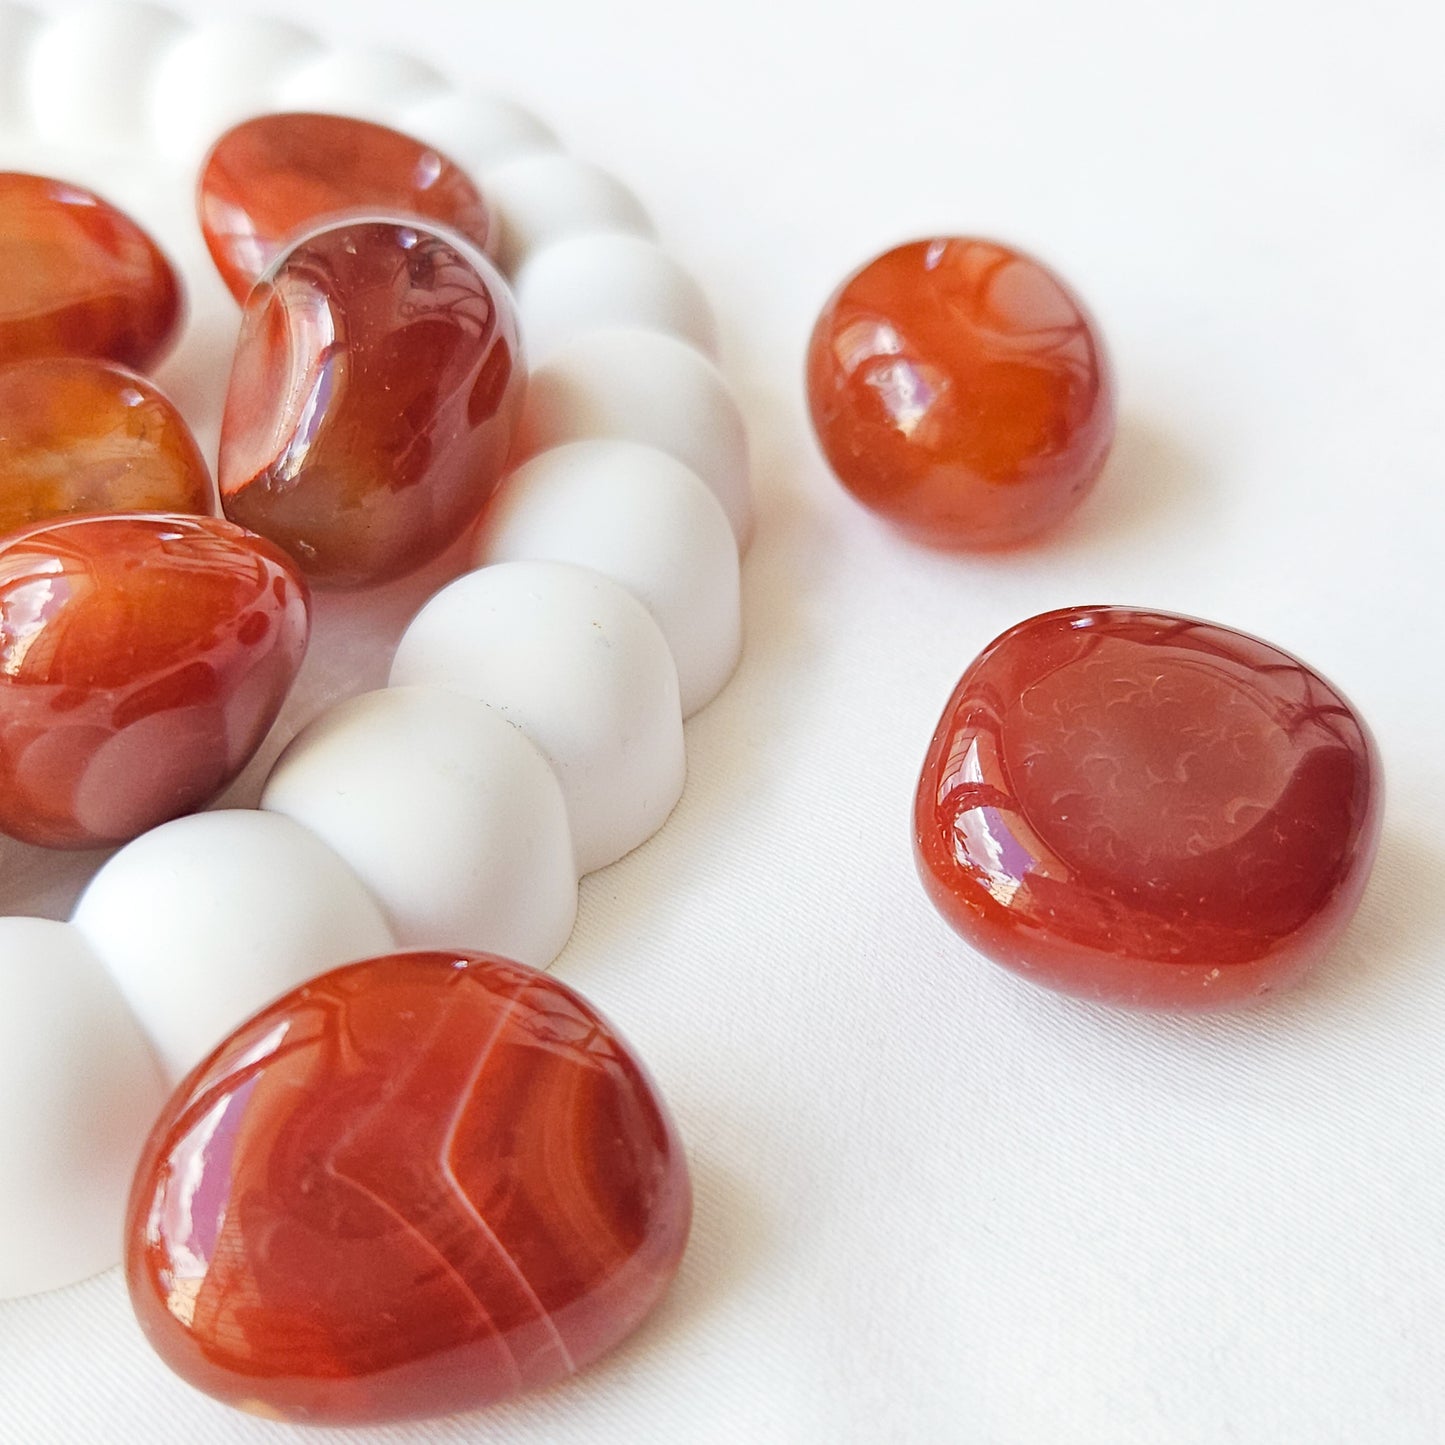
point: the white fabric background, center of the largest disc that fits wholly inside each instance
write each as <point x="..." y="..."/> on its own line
<point x="934" y="1203"/>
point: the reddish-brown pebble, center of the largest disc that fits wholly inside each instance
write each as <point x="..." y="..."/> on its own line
<point x="1147" y="809"/>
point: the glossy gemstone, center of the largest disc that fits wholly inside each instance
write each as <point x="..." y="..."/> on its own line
<point x="142" y="660"/>
<point x="79" y="278"/>
<point x="413" y="1186"/>
<point x="1142" y="808"/>
<point x="272" y="178"/>
<point x="376" y="388"/>
<point x="961" y="390"/>
<point x="82" y="436"/>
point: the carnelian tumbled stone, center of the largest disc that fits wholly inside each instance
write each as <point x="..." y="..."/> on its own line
<point x="1142" y="808"/>
<point x="79" y="278"/>
<point x="270" y="179"/>
<point x="415" y="1185"/>
<point x="88" y="436"/>
<point x="376" y="388"/>
<point x="961" y="390"/>
<point x="142" y="661"/>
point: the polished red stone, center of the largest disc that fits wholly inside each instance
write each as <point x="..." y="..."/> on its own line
<point x="79" y="278"/>
<point x="142" y="660"/>
<point x="82" y="436"/>
<point x="961" y="390"/>
<point x="1147" y="809"/>
<point x="415" y="1185"/>
<point x="272" y="178"/>
<point x="376" y="388"/>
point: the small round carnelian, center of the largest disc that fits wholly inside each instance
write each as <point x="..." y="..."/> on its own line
<point x="1142" y="808"/>
<point x="960" y="389"/>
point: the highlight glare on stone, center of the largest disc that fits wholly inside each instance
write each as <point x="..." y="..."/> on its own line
<point x="959" y="389"/>
<point x="1142" y="808"/>
<point x="270" y="179"/>
<point x="142" y="661"/>
<point x="413" y="1186"/>
<point x="80" y="436"/>
<point x="375" y="392"/>
<point x="80" y="278"/>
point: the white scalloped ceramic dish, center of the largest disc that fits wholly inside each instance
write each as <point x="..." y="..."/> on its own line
<point x="554" y="680"/>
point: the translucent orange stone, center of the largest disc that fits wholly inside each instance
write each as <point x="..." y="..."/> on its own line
<point x="79" y="278"/>
<point x="413" y="1186"/>
<point x="82" y="436"/>
<point x="272" y="178"/>
<point x="377" y="385"/>
<point x="961" y="390"/>
<point x="142" y="660"/>
<point x="1147" y="809"/>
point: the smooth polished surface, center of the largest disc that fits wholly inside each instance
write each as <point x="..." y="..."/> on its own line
<point x="80" y="278"/>
<point x="377" y="384"/>
<point x="272" y="178"/>
<point x="82" y="436"/>
<point x="142" y="660"/>
<point x="1148" y="809"/>
<point x="415" y="1185"/>
<point x="962" y="391"/>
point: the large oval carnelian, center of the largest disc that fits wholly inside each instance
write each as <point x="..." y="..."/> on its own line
<point x="961" y="390"/>
<point x="272" y="178"/>
<point x="1147" y="809"/>
<point x="413" y="1186"/>
<point x="80" y="278"/>
<point x="142" y="661"/>
<point x="82" y="436"/>
<point x="376" y="388"/>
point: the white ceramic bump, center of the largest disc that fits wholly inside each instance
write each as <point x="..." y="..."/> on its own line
<point x="645" y="387"/>
<point x="447" y="813"/>
<point x="641" y="517"/>
<point x="579" y="665"/>
<point x="369" y="84"/>
<point x="476" y="130"/>
<point x="603" y="279"/>
<point x="540" y="198"/>
<point x="205" y="919"/>
<point x="215" y="77"/>
<point x="81" y="1090"/>
<point x="90" y="70"/>
<point x="18" y="28"/>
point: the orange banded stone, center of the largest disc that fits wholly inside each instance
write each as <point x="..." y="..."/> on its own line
<point x="415" y="1185"/>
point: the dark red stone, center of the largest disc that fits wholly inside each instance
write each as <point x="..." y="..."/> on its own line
<point x="142" y="661"/>
<point x="1142" y="808"/>
<point x="270" y="179"/>
<point x="377" y="385"/>
<point x="415" y="1185"/>
<point x="961" y="390"/>
<point x="80" y="278"/>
